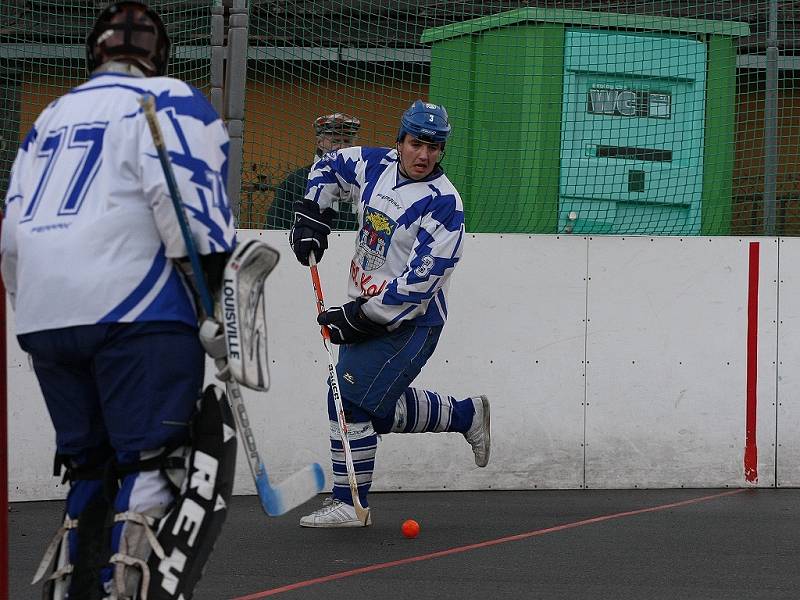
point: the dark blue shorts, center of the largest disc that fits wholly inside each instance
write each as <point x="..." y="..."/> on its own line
<point x="374" y="374"/>
<point x="131" y="385"/>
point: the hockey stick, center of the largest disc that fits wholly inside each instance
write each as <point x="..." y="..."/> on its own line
<point x="298" y="487"/>
<point x="361" y="512"/>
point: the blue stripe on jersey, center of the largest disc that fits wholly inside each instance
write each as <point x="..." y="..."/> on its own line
<point x="183" y="105"/>
<point x="399" y="317"/>
<point x="140" y="291"/>
<point x="328" y="176"/>
<point x="171" y="304"/>
<point x="196" y="105"/>
<point x="215" y="234"/>
<point x="30" y="138"/>
<point x="424" y="248"/>
<point x="377" y="161"/>
<point x="441" y="207"/>
<point x="224" y="167"/>
<point x="391" y="297"/>
<point x="348" y="170"/>
<point x="442" y="302"/>
<point x="198" y="168"/>
<point x="12" y="199"/>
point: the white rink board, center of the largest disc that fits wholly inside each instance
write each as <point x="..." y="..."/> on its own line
<point x="667" y="356"/>
<point x="673" y="417"/>
<point x="524" y="350"/>
<point x="789" y="366"/>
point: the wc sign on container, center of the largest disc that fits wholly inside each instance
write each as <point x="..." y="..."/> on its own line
<point x="605" y="100"/>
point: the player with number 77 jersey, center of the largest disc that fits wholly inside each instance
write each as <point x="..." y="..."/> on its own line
<point x="88" y="219"/>
<point x="93" y="260"/>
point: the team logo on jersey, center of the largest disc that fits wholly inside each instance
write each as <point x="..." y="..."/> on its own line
<point x="374" y="240"/>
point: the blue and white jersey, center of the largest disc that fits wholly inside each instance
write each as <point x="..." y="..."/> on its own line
<point x="89" y="224"/>
<point x="410" y="238"/>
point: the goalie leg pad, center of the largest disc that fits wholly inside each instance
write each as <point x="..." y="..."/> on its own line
<point x="244" y="312"/>
<point x="185" y="536"/>
<point x="81" y="545"/>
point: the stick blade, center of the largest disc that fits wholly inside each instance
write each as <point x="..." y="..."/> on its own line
<point x="362" y="514"/>
<point x="295" y="490"/>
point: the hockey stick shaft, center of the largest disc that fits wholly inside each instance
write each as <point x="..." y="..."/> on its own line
<point x="149" y="108"/>
<point x="309" y="481"/>
<point x="292" y="491"/>
<point x="361" y="512"/>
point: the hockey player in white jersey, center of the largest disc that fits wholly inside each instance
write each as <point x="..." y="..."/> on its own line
<point x="91" y="259"/>
<point x="410" y="241"/>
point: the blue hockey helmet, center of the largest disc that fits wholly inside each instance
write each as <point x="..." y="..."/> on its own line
<point x="132" y="30"/>
<point x="425" y="121"/>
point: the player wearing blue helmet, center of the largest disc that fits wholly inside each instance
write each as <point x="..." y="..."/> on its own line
<point x="409" y="242"/>
<point x="426" y="122"/>
<point x="424" y="129"/>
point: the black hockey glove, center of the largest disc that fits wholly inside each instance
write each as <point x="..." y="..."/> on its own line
<point x="310" y="230"/>
<point x="348" y="325"/>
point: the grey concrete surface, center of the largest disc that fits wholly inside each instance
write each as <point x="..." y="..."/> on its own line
<point x="576" y="545"/>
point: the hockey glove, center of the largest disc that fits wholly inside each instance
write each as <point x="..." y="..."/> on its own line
<point x="348" y="325"/>
<point x="212" y="337"/>
<point x="310" y="230"/>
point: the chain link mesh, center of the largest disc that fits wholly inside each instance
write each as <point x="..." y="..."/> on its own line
<point x="664" y="117"/>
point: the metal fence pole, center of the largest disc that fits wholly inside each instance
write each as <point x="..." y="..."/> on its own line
<point x="771" y="122"/>
<point x="217" y="74"/>
<point x="235" y="81"/>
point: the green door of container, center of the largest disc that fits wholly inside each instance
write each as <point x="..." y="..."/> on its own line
<point x="632" y="134"/>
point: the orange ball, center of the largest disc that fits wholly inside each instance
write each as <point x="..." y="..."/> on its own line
<point x="410" y="528"/>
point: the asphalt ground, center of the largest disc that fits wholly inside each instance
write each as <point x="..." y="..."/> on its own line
<point x="687" y="544"/>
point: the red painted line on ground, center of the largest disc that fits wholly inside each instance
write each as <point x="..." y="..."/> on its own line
<point x="479" y="545"/>
<point x="750" y="445"/>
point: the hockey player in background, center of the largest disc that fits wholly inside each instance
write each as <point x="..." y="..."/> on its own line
<point x="409" y="243"/>
<point x="92" y="260"/>
<point x="333" y="132"/>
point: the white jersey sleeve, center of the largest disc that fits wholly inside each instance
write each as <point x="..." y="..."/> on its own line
<point x="336" y="177"/>
<point x="199" y="174"/>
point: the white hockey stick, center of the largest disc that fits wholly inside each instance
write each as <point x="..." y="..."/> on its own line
<point x="361" y="512"/>
<point x="300" y="486"/>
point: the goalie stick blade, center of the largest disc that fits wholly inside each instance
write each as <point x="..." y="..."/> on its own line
<point x="295" y="490"/>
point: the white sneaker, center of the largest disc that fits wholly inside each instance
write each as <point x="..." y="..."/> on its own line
<point x="478" y="435"/>
<point x="334" y="513"/>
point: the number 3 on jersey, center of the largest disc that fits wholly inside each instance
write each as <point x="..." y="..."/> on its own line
<point x="83" y="148"/>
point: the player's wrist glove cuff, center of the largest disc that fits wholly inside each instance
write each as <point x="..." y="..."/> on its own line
<point x="347" y="324"/>
<point x="310" y="230"/>
<point x="212" y="337"/>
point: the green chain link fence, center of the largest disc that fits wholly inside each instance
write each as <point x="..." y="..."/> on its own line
<point x="580" y="117"/>
<point x="42" y="56"/>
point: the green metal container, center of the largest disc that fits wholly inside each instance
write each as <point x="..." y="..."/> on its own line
<point x="582" y="122"/>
